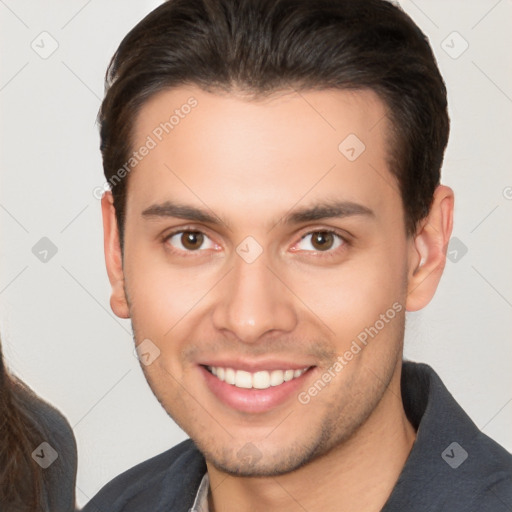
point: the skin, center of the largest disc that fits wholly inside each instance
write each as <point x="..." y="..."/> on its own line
<point x="251" y="163"/>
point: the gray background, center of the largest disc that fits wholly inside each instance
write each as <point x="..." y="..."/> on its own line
<point x="58" y="332"/>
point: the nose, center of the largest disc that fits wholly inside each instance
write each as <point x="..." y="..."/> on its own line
<point x="254" y="300"/>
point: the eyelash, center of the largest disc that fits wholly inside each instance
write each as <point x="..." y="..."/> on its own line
<point x="324" y="254"/>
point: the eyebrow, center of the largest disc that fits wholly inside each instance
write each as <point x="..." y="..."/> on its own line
<point x="319" y="211"/>
<point x="327" y="210"/>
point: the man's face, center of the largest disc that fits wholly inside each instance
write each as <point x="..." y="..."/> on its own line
<point x="252" y="287"/>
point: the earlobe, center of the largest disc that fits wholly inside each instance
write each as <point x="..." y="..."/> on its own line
<point x="427" y="252"/>
<point x="113" y="257"/>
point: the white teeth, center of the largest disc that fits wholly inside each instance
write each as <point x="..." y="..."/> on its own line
<point x="258" y="380"/>
<point x="276" y="377"/>
<point x="288" y="375"/>
<point x="230" y="376"/>
<point x="261" y="380"/>
<point x="243" y="379"/>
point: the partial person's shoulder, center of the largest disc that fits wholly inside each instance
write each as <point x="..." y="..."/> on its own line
<point x="168" y="481"/>
<point x="57" y="451"/>
<point x="49" y="418"/>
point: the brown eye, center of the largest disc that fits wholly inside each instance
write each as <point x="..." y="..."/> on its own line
<point x="320" y="241"/>
<point x="192" y="240"/>
<point x="189" y="241"/>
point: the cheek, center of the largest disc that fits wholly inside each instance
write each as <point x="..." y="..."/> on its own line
<point x="353" y="295"/>
<point x="162" y="295"/>
<point x="166" y="306"/>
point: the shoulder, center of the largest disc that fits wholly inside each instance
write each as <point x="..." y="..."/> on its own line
<point x="453" y="464"/>
<point x="168" y="481"/>
<point x="479" y="478"/>
<point x="57" y="451"/>
<point x="491" y="481"/>
<point x="51" y="421"/>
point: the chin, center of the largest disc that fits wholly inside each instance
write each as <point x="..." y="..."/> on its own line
<point x="269" y="461"/>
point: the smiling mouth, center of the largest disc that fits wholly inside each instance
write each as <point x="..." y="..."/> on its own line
<point x="257" y="380"/>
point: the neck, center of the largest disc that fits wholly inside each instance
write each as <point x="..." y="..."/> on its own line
<point x="359" y="474"/>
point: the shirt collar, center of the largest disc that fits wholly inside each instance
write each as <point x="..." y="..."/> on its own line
<point x="201" y="501"/>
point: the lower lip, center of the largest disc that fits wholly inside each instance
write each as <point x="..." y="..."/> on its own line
<point x="253" y="400"/>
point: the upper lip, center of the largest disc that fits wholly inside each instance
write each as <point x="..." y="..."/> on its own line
<point x="257" y="366"/>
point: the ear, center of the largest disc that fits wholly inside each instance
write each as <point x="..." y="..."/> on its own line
<point x="113" y="257"/>
<point x="427" y="251"/>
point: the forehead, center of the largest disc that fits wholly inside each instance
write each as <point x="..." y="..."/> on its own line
<point x="241" y="153"/>
<point x="287" y="114"/>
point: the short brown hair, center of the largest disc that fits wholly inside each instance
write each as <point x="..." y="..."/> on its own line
<point x="263" y="46"/>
